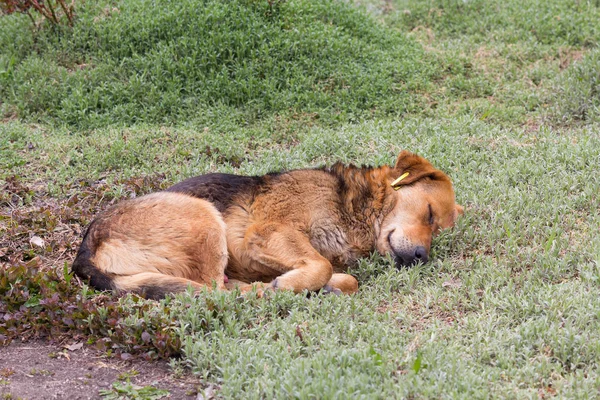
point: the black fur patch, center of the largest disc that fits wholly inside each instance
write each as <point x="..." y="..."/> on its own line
<point x="85" y="269"/>
<point x="219" y="189"/>
<point x="352" y="186"/>
<point x="156" y="292"/>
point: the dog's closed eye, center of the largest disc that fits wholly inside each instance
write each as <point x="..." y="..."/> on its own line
<point x="430" y="215"/>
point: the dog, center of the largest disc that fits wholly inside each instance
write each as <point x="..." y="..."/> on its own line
<point x="295" y="230"/>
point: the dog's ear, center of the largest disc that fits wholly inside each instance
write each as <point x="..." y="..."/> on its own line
<point x="458" y="211"/>
<point x="410" y="168"/>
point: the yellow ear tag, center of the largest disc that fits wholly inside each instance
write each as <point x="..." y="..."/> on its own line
<point x="397" y="181"/>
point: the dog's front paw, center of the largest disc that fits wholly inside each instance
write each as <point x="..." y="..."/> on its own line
<point x="274" y="284"/>
<point x="330" y="290"/>
<point x="271" y="288"/>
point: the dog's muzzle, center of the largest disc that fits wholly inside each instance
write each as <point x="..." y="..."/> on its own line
<point x="410" y="258"/>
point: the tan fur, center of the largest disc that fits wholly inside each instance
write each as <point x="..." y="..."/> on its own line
<point x="163" y="238"/>
<point x="298" y="230"/>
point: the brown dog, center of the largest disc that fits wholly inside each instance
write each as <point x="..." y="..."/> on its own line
<point x="296" y="230"/>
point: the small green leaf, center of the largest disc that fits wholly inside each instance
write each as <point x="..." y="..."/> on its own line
<point x="33" y="301"/>
<point x="66" y="273"/>
<point x="376" y="356"/>
<point x="417" y="364"/>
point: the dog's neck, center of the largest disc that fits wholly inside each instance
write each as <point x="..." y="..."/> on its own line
<point x="366" y="197"/>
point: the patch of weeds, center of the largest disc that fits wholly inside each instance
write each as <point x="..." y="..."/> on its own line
<point x="128" y="374"/>
<point x="44" y="304"/>
<point x="509" y="21"/>
<point x="497" y="59"/>
<point x="40" y="372"/>
<point x="7" y="371"/>
<point x="177" y="367"/>
<point x="577" y="96"/>
<point x="14" y="143"/>
<point x="127" y="390"/>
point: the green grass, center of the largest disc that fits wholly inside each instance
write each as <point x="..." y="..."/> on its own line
<point x="501" y="95"/>
<point x="579" y="92"/>
<point x="537" y="22"/>
<point x="159" y="61"/>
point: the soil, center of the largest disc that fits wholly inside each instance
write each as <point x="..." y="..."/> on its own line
<point x="41" y="370"/>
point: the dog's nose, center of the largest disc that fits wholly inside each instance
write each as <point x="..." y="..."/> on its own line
<point x="416" y="255"/>
<point x="421" y="254"/>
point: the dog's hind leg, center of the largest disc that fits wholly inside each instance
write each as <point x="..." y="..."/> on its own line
<point x="155" y="244"/>
<point x="153" y="285"/>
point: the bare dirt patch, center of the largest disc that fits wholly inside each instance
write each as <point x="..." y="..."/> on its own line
<point x="40" y="370"/>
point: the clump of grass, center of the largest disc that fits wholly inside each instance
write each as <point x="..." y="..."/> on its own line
<point x="578" y="91"/>
<point x="544" y="22"/>
<point x="159" y="61"/>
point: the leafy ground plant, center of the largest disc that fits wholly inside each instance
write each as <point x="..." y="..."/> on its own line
<point x="126" y="390"/>
<point x="491" y="92"/>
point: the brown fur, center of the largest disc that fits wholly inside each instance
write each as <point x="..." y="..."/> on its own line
<point x="296" y="230"/>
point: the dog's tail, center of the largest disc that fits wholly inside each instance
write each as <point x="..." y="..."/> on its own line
<point x="84" y="267"/>
<point x="154" y="285"/>
<point x="150" y="285"/>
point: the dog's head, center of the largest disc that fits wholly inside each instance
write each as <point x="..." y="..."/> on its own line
<point x="423" y="204"/>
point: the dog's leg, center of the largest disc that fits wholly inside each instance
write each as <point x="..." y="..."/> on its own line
<point x="343" y="282"/>
<point x="155" y="285"/>
<point x="290" y="252"/>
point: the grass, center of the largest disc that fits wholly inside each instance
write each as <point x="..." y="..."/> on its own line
<point x="501" y="95"/>
<point x="579" y="92"/>
<point x="325" y="58"/>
